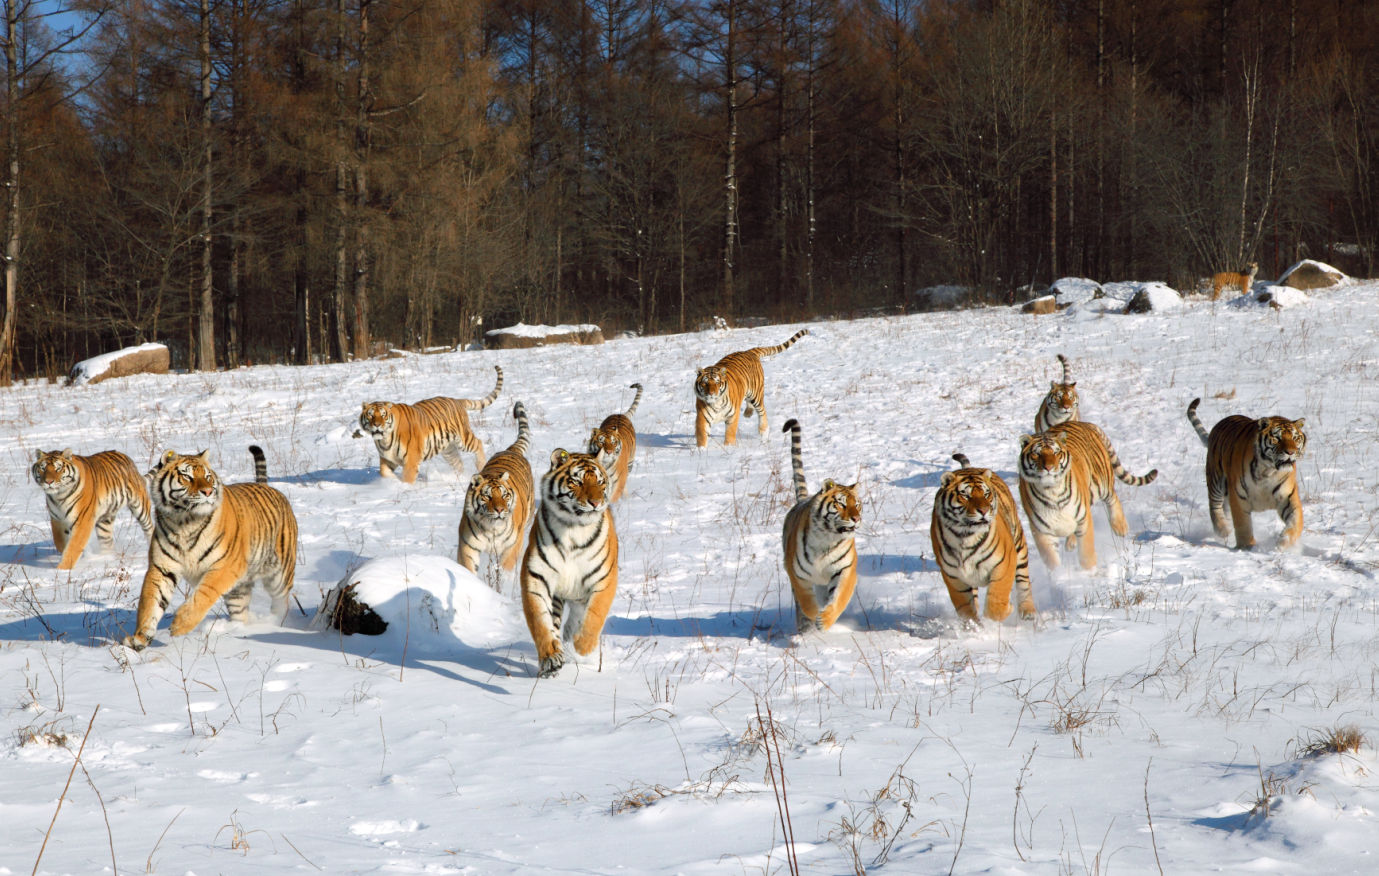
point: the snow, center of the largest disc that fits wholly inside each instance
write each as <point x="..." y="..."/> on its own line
<point x="86" y="369"/>
<point x="1181" y="674"/>
<point x="522" y="330"/>
<point x="1121" y="291"/>
<point x="1269" y="295"/>
<point x="1160" y="296"/>
<point x="1074" y="290"/>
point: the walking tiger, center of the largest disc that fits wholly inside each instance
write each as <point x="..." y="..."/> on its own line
<point x="721" y="390"/>
<point x="84" y="493"/>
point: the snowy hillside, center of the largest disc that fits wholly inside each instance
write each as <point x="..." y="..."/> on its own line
<point x="1183" y="681"/>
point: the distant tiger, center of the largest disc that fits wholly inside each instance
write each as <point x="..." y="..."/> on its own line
<point x="572" y="558"/>
<point x="1060" y="405"/>
<point x="498" y="503"/>
<point x="614" y="442"/>
<point x="721" y="390"/>
<point x="1225" y="280"/>
<point x="1062" y="472"/>
<point x="820" y="545"/>
<point x="220" y="538"/>
<point x="979" y="542"/>
<point x="1252" y="465"/>
<point x="85" y="493"/>
<point x="408" y="435"/>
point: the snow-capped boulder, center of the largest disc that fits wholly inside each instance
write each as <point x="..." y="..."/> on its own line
<point x="1074" y="290"/>
<point x="1309" y="274"/>
<point x="521" y="336"/>
<point x="1277" y="297"/>
<point x="1120" y="291"/>
<point x="143" y="359"/>
<point x="1040" y="306"/>
<point x="1154" y="297"/>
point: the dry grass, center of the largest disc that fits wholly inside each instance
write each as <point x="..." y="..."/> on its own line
<point x="1341" y="739"/>
<point x="46" y="736"/>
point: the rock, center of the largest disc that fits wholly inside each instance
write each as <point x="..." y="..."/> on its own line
<point x="1121" y="292"/>
<point x="1309" y="274"/>
<point x="1040" y="306"/>
<point x="1277" y="297"/>
<point x="1075" y="290"/>
<point x="1154" y="298"/>
<point x="143" y="359"/>
<point x="522" y="336"/>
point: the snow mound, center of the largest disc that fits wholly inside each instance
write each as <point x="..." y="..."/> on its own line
<point x="1154" y="297"/>
<point x="151" y="358"/>
<point x="541" y="331"/>
<point x="1279" y="297"/>
<point x="1311" y="274"/>
<point x="431" y="602"/>
<point x="1074" y="290"/>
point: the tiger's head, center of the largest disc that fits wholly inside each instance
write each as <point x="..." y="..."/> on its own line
<point x="1281" y="442"/>
<point x="378" y="420"/>
<point x="838" y="510"/>
<point x="966" y="499"/>
<point x="605" y="445"/>
<point x="576" y="485"/>
<point x="55" y="471"/>
<point x="185" y="484"/>
<point x="1062" y="399"/>
<point x="1043" y="458"/>
<point x="711" y="384"/>
<point x="490" y="498"/>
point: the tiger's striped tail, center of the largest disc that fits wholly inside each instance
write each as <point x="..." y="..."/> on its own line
<point x="797" y="460"/>
<point x="962" y="460"/>
<point x="523" y="441"/>
<point x="1119" y="470"/>
<point x="1197" y="424"/>
<point x="636" y="401"/>
<point x="260" y="464"/>
<point x="771" y="351"/>
<point x="473" y="405"/>
<point x="1067" y="377"/>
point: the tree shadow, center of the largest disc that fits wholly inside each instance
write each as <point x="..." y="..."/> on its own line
<point x="648" y="440"/>
<point x="876" y="565"/>
<point x="95" y="627"/>
<point x="926" y="480"/>
<point x="743" y="623"/>
<point x="349" y="476"/>
<point x="30" y="554"/>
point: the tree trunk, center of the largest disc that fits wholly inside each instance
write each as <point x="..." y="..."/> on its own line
<point x="205" y="356"/>
<point x="7" y="333"/>
<point x="362" y="137"/>
<point x="809" y="169"/>
<point x="730" y="171"/>
<point x="339" y="338"/>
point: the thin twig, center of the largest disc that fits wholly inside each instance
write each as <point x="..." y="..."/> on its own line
<point x="63" y="796"/>
<point x="385" y="747"/>
<point x="148" y="865"/>
<point x="297" y="850"/>
<point x="108" y="834"/>
<point x="1152" y="839"/>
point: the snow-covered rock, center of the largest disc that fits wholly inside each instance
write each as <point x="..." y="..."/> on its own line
<point x="1120" y="291"/>
<point x="1039" y="306"/>
<point x="1154" y="297"/>
<point x="143" y="359"/>
<point x="1310" y="274"/>
<point x="520" y="336"/>
<point x="1278" y="297"/>
<point x="1074" y="290"/>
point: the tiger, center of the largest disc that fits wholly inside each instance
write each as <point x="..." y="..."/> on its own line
<point x="1060" y="405"/>
<point x="498" y="503"/>
<point x="220" y="538"/>
<point x="1253" y="466"/>
<point x="1062" y="471"/>
<point x="979" y="542"/>
<point x="408" y="435"/>
<point x="85" y="493"/>
<point x="720" y="391"/>
<point x="1226" y="279"/>
<point x="820" y="545"/>
<point x="614" y="442"/>
<point x="572" y="557"/>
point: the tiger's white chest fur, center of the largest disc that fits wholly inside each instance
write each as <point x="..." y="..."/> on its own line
<point x="570" y="557"/>
<point x="488" y="533"/>
<point x="974" y="562"/>
<point x="717" y="409"/>
<point x="820" y="556"/>
<point x="1262" y="486"/>
<point x="1058" y="505"/>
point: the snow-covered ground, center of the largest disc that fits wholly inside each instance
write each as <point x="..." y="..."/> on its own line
<point x="1182" y="682"/>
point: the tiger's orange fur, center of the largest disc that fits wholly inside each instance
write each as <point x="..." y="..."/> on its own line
<point x="820" y="545"/>
<point x="408" y="435"/>
<point x="720" y="391"/>
<point x="219" y="538"/>
<point x="1225" y="280"/>
<point x="1252" y="465"/>
<point x="84" y="493"/>
<point x="499" y="503"/>
<point x="614" y="442"/>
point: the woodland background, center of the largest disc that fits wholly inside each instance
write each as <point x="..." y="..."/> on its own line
<point x="310" y="180"/>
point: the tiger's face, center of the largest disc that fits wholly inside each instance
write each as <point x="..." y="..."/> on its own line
<point x="967" y="500"/>
<point x="1281" y="442"/>
<point x="185" y="483"/>
<point x="576" y="484"/>
<point x="491" y="499"/>
<point x="605" y="445"/>
<point x="55" y="471"/>
<point x="1063" y="399"/>
<point x="1043" y="458"/>
<point x="710" y="384"/>
<point x="377" y="419"/>
<point x="839" y="509"/>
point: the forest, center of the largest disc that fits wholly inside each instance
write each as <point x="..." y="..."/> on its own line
<point x="297" y="181"/>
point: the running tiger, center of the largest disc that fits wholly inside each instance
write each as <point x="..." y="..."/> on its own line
<point x="820" y="545"/>
<point x="408" y="435"/>
<point x="1062" y="472"/>
<point x="1060" y="405"/>
<point x="1224" y="280"/>
<point x="614" y="443"/>
<point x="220" y="538"/>
<point x="572" y="557"/>
<point x="721" y="390"/>
<point x="979" y="542"/>
<point x="1253" y="465"/>
<point x="498" y="503"/>
<point x="85" y="493"/>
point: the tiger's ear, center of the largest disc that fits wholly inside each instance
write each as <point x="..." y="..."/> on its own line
<point x="38" y="455"/>
<point x="1263" y="423"/>
<point x="203" y="454"/>
<point x="1298" y="423"/>
<point x="1053" y="384"/>
<point x="476" y="480"/>
<point x="698" y="371"/>
<point x="1025" y="440"/>
<point x="829" y="484"/>
<point x="365" y="406"/>
<point x="505" y="476"/>
<point x="559" y="455"/>
<point x="945" y="478"/>
<point x="169" y="456"/>
<point x="1072" y="384"/>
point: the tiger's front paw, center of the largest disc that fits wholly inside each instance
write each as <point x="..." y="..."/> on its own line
<point x="136" y="642"/>
<point x="183" y="623"/>
<point x="551" y="666"/>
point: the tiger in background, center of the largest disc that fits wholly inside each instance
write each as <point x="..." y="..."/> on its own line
<point x="572" y="558"/>
<point x="1253" y="466"/>
<point x="408" y="435"/>
<point x="1062" y="472"/>
<point x="220" y="538"/>
<point x="614" y="443"/>
<point x="1224" y="280"/>
<point x="721" y="390"/>
<point x="979" y="542"/>
<point x="1060" y="405"/>
<point x="85" y="493"/>
<point x="820" y="545"/>
<point x="498" y="503"/>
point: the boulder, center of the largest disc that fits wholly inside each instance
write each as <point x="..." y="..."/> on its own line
<point x="1121" y="292"/>
<point x="1276" y="297"/>
<point x="1309" y="274"/>
<point x="1154" y="298"/>
<point x="1040" y="306"/>
<point x="143" y="359"/>
<point x="522" y="336"/>
<point x="1075" y="290"/>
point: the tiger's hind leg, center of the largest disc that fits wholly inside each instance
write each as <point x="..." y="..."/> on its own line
<point x="1116" y="514"/>
<point x="759" y="403"/>
<point x="1216" y="505"/>
<point x="279" y="588"/>
<point x="237" y="600"/>
<point x="105" y="532"/>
